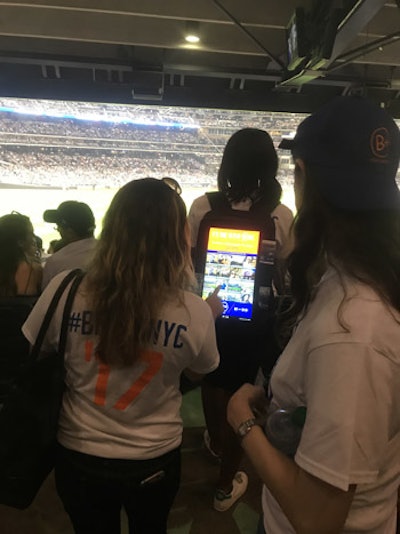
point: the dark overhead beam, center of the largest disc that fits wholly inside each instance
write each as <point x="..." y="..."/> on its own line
<point x="358" y="17"/>
<point x="249" y="34"/>
<point x="353" y="22"/>
<point x="351" y="55"/>
<point x="84" y="64"/>
<point x="260" y="97"/>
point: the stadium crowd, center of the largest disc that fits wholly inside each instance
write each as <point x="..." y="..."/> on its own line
<point x="72" y="144"/>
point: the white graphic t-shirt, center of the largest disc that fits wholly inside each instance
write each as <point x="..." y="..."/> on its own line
<point x="131" y="412"/>
<point x="343" y="364"/>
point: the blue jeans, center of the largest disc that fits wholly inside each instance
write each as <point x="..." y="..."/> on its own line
<point x="93" y="491"/>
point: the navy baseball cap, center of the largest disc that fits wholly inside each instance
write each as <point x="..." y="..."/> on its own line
<point x="355" y="146"/>
<point x="72" y="214"/>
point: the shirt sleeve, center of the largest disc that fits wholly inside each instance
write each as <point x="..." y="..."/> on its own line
<point x="47" y="273"/>
<point x="283" y="219"/>
<point x="198" y="209"/>
<point x="347" y="430"/>
<point x="207" y="359"/>
<point x="32" y="325"/>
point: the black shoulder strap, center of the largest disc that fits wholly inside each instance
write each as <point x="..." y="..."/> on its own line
<point x="218" y="201"/>
<point x="67" y="311"/>
<point x="261" y="210"/>
<point x="50" y="312"/>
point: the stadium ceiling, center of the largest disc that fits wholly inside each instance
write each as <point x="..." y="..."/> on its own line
<point x="133" y="51"/>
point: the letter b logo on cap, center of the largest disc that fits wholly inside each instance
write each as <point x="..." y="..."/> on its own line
<point x="380" y="143"/>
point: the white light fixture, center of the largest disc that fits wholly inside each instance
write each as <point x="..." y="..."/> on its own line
<point x="192" y="38"/>
<point x="192" y="32"/>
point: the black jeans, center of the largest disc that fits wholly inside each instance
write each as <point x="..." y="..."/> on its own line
<point x="93" y="491"/>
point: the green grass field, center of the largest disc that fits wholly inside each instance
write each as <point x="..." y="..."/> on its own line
<point x="33" y="202"/>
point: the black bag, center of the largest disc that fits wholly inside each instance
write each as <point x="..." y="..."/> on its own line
<point x="14" y="347"/>
<point x="29" y="415"/>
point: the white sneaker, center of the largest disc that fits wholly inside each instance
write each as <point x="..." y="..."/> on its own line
<point x="223" y="501"/>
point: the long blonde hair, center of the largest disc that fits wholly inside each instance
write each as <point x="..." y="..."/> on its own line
<point x="142" y="260"/>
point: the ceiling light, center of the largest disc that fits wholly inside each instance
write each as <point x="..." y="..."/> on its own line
<point x="192" y="38"/>
<point x="192" y="32"/>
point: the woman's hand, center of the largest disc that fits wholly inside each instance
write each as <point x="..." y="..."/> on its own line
<point x="249" y="401"/>
<point x="215" y="302"/>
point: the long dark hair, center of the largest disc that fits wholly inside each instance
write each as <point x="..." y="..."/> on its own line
<point x="142" y="260"/>
<point x="248" y="168"/>
<point x="14" y="235"/>
<point x="365" y="245"/>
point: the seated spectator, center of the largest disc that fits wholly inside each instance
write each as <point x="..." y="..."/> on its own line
<point x="20" y="272"/>
<point x="76" y="224"/>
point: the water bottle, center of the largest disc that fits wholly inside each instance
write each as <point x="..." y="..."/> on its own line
<point x="283" y="428"/>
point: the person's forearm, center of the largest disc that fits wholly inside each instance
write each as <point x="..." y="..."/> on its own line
<point x="310" y="509"/>
<point x="277" y="471"/>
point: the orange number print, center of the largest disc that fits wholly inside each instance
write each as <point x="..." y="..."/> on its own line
<point x="88" y="350"/>
<point x="153" y="362"/>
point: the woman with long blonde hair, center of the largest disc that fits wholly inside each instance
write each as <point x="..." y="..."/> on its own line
<point x="134" y="327"/>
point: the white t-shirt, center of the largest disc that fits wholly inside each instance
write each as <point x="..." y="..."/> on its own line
<point x="134" y="412"/>
<point x="75" y="255"/>
<point x="282" y="216"/>
<point x="348" y="377"/>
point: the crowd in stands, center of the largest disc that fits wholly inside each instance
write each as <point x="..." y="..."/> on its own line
<point x="72" y="168"/>
<point x="72" y="144"/>
<point x="179" y="117"/>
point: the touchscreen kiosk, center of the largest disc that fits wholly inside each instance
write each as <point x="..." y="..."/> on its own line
<point x="231" y="260"/>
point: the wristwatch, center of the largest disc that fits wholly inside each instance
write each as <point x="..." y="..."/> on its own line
<point x="245" y="427"/>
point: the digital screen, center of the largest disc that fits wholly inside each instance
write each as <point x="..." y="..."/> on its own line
<point x="296" y="42"/>
<point x="231" y="260"/>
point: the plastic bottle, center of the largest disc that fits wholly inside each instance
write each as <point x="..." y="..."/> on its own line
<point x="283" y="429"/>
